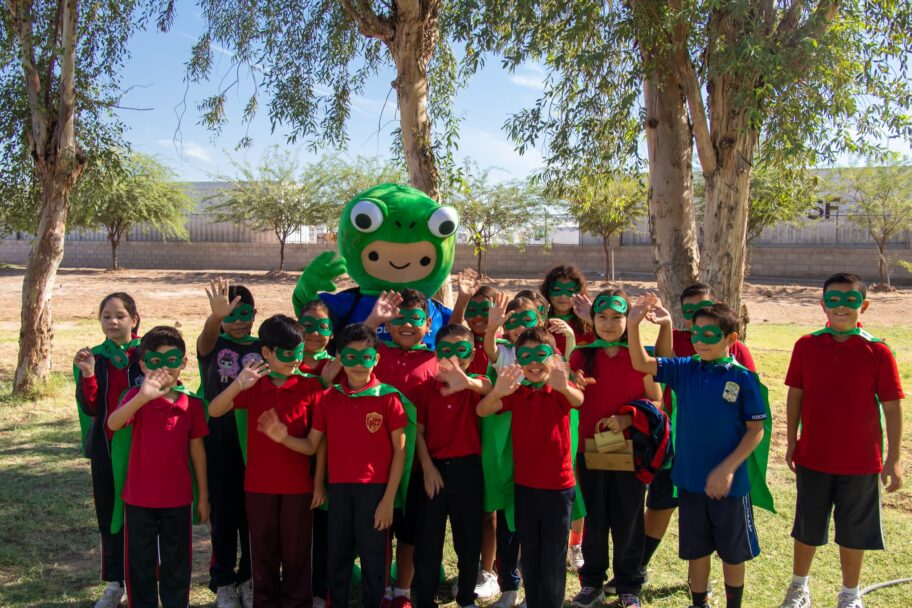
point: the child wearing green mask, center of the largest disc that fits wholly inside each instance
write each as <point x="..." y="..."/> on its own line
<point x="280" y="492"/>
<point x="837" y="377"/>
<point x="537" y="392"/>
<point x="559" y="287"/>
<point x="721" y="417"/>
<point x="223" y="348"/>
<point x="167" y="423"/>
<point x="364" y="423"/>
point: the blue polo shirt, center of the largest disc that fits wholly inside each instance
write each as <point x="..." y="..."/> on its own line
<point x="713" y="404"/>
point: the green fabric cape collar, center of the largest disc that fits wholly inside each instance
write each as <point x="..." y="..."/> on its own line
<point x="419" y="346"/>
<point x="248" y="339"/>
<point x="602" y="344"/>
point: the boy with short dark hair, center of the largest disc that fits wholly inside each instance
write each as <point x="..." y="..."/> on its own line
<point x="364" y="424"/>
<point x="451" y="461"/>
<point x="278" y="482"/>
<point x="837" y="377"/>
<point x="223" y="349"/>
<point x="720" y="422"/>
<point x="168" y="422"/>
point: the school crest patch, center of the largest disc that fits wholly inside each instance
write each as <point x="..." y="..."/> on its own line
<point x="374" y="421"/>
<point x="731" y="391"/>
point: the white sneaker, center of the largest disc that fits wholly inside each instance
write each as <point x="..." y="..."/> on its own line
<point x="507" y="599"/>
<point x="245" y="593"/>
<point x="849" y="601"/>
<point x="797" y="596"/>
<point x="114" y="595"/>
<point x="319" y="602"/>
<point x="226" y="596"/>
<point x="487" y="586"/>
<point x="574" y="558"/>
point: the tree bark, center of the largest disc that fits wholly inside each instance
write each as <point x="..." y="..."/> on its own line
<point x="607" y="251"/>
<point x="671" y="208"/>
<point x="114" y="243"/>
<point x="281" y="254"/>
<point x="882" y="263"/>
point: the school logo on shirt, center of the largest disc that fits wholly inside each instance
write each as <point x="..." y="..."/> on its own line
<point x="731" y="391"/>
<point x="374" y="421"/>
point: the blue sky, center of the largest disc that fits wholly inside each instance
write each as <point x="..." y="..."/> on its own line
<point x="156" y="72"/>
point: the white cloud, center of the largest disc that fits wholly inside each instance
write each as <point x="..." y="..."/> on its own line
<point x="491" y="149"/>
<point x="528" y="82"/>
<point x="190" y="149"/>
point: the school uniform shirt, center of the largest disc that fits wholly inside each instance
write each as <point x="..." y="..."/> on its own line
<point x="224" y="362"/>
<point x="316" y="369"/>
<point x="272" y="468"/>
<point x="357" y="432"/>
<point x="406" y="370"/>
<point x="840" y="418"/>
<point x="451" y="424"/>
<point x="118" y="381"/>
<point x="541" y="438"/>
<point x="714" y="403"/>
<point x="158" y="475"/>
<point x="616" y="384"/>
<point x="581" y="336"/>
<point x="479" y="364"/>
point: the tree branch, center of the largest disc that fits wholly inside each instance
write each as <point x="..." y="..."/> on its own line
<point x="813" y="27"/>
<point x="368" y="22"/>
<point x="22" y="22"/>
<point x="66" y="118"/>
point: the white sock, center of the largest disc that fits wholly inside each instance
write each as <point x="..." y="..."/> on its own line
<point x="397" y="592"/>
<point x="851" y="591"/>
<point x="389" y="593"/>
<point x="800" y="580"/>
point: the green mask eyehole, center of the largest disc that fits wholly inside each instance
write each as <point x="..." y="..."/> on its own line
<point x="526" y="318"/>
<point x="171" y="359"/>
<point x="416" y="316"/>
<point x="691" y="309"/>
<point x="478" y="309"/>
<point x="241" y="312"/>
<point x="462" y="349"/>
<point x="287" y="355"/>
<point x="605" y="302"/>
<point x="350" y="357"/>
<point x="534" y="354"/>
<point x="708" y="334"/>
<point x="563" y="288"/>
<point x="850" y="299"/>
<point x="316" y="325"/>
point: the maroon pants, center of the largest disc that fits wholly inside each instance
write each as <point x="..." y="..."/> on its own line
<point x="280" y="544"/>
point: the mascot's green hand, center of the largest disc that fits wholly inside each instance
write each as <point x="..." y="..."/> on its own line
<point x="317" y="276"/>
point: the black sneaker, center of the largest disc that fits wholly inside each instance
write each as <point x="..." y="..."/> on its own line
<point x="610" y="588"/>
<point x="587" y="597"/>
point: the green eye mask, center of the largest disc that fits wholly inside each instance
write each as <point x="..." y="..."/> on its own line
<point x="316" y="325"/>
<point x="615" y="303"/>
<point x="350" y="357"/>
<point x="691" y="309"/>
<point x="534" y="354"/>
<point x="563" y="288"/>
<point x="850" y="299"/>
<point x="707" y="334"/>
<point x="415" y="316"/>
<point x="241" y="312"/>
<point x="478" y="309"/>
<point x="462" y="349"/>
<point x="288" y="355"/>
<point x="526" y="318"/>
<point x="171" y="359"/>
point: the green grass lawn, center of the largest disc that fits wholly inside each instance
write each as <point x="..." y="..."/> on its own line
<point x="49" y="545"/>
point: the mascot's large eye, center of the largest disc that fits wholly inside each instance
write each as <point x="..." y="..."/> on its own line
<point x="443" y="222"/>
<point x="366" y="216"/>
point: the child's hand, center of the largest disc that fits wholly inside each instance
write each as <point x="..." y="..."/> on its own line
<point x="508" y="380"/>
<point x="582" y="380"/>
<point x="640" y="308"/>
<point x="498" y="313"/>
<point x="467" y="283"/>
<point x="385" y="308"/>
<point x="892" y="470"/>
<point x="433" y="482"/>
<point x="269" y="424"/>
<point x="618" y="423"/>
<point x="449" y="372"/>
<point x="155" y="384"/>
<point x="252" y="372"/>
<point x="319" y="495"/>
<point x="582" y="307"/>
<point x="559" y="326"/>
<point x="560" y="374"/>
<point x="658" y="314"/>
<point x="85" y="362"/>
<point x="790" y="456"/>
<point x="330" y="371"/>
<point x="719" y="483"/>
<point x="383" y="516"/>
<point x="202" y="510"/>
<point x="218" y="298"/>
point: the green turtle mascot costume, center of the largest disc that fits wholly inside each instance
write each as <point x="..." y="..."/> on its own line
<point x="390" y="237"/>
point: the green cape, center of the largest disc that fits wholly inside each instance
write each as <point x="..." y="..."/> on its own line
<point x="85" y="420"/>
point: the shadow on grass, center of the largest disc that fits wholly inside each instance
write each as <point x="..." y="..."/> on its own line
<point x="651" y="593"/>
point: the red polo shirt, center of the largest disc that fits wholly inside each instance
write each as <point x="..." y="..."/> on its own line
<point x="840" y="420"/>
<point x="357" y="429"/>
<point x="541" y="438"/>
<point x="407" y="370"/>
<point x="616" y="384"/>
<point x="479" y="364"/>
<point x="272" y="468"/>
<point x="118" y="382"/>
<point x="158" y="475"/>
<point x="451" y="427"/>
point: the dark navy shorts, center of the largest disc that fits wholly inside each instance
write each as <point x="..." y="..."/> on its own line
<point x="661" y="492"/>
<point x="854" y="501"/>
<point x="725" y="526"/>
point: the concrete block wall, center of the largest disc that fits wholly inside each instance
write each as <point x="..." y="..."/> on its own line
<point x="506" y="260"/>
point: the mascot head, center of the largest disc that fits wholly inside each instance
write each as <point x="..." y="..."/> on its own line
<point x="395" y="236"/>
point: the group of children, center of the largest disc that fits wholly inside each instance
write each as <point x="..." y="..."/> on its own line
<point x="315" y="445"/>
